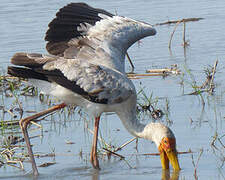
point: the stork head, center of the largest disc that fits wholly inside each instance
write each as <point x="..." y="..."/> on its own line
<point x="168" y="153"/>
<point x="166" y="143"/>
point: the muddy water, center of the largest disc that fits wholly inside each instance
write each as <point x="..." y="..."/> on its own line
<point x="194" y="119"/>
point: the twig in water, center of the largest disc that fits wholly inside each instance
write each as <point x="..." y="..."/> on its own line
<point x="214" y="140"/>
<point x="128" y="142"/>
<point x="121" y="157"/>
<point x="185" y="43"/>
<point x="132" y="65"/>
<point x="175" y="21"/>
<point x="171" y="37"/>
<point x="157" y="154"/>
<point x="46" y="164"/>
<point x="196" y="164"/>
<point x="8" y="154"/>
<point x="139" y="76"/>
<point x="184" y="32"/>
<point x="219" y="139"/>
<point x="36" y="124"/>
<point x="45" y="155"/>
<point x="15" y="162"/>
<point x="99" y="138"/>
<point x="211" y="85"/>
<point x="172" y="70"/>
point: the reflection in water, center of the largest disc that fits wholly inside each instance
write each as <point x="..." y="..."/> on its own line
<point x="166" y="175"/>
<point x="95" y="175"/>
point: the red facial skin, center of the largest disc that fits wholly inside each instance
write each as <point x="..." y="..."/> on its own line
<point x="166" y="145"/>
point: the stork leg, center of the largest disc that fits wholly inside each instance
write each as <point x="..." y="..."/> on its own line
<point x="94" y="157"/>
<point x="23" y="125"/>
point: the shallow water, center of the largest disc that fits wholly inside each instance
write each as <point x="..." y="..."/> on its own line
<point x="23" y="24"/>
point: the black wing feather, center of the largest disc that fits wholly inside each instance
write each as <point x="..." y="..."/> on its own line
<point x="64" y="26"/>
<point x="53" y="76"/>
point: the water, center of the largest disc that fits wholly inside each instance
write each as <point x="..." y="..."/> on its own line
<point x="23" y="25"/>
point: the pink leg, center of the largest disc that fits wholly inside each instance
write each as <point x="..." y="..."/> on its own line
<point x="94" y="157"/>
<point x="23" y="125"/>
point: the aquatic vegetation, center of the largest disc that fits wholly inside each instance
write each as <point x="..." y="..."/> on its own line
<point x="207" y="86"/>
<point x="154" y="107"/>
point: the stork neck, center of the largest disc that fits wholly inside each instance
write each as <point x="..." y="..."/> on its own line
<point x="132" y="124"/>
<point x="128" y="116"/>
<point x="153" y="131"/>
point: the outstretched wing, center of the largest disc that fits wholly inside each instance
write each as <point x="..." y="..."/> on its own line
<point x="63" y="28"/>
<point x="95" y="83"/>
<point x="82" y="32"/>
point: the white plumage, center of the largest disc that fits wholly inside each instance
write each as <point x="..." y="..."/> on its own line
<point x="91" y="74"/>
